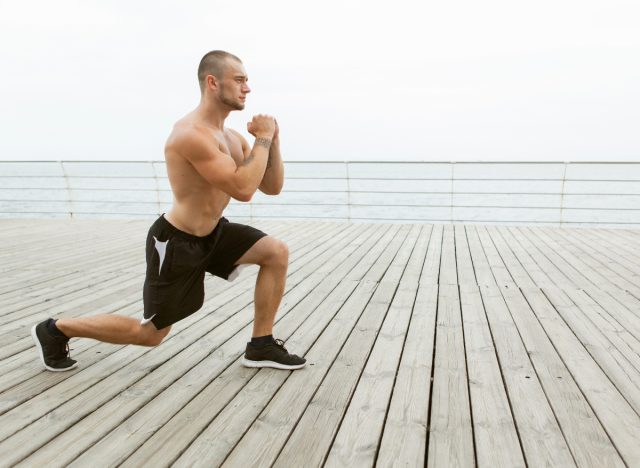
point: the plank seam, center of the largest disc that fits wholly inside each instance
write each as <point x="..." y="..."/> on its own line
<point x="404" y="341"/>
<point x="433" y="357"/>
<point x="274" y="394"/>
<point x="370" y="350"/>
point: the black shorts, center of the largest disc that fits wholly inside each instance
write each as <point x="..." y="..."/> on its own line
<point x="177" y="262"/>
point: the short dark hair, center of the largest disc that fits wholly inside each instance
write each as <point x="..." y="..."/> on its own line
<point x="213" y="64"/>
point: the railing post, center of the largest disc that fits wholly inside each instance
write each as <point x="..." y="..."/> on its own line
<point x="564" y="177"/>
<point x="453" y="165"/>
<point x="348" y="192"/>
<point x="155" y="178"/>
<point x="69" y="192"/>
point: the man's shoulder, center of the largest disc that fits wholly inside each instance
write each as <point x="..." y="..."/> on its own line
<point x="189" y="134"/>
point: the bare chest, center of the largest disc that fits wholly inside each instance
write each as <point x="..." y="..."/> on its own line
<point x="230" y="144"/>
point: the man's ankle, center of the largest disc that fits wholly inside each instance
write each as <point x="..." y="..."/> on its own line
<point x="260" y="341"/>
<point x="54" y="330"/>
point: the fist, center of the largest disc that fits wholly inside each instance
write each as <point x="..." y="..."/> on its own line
<point x="262" y="126"/>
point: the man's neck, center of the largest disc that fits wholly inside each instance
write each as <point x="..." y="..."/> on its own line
<point x="212" y="113"/>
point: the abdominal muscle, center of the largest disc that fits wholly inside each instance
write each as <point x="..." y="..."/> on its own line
<point x="197" y="205"/>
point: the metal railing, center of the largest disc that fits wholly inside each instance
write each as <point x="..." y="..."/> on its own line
<point x="549" y="193"/>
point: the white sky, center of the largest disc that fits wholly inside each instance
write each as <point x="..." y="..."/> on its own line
<point x="348" y="80"/>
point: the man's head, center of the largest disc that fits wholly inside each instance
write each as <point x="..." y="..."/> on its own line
<point x="222" y="75"/>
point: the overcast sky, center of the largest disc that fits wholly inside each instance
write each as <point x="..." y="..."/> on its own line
<point x="447" y="80"/>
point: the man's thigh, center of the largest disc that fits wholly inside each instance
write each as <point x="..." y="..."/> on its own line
<point x="263" y="251"/>
<point x="235" y="242"/>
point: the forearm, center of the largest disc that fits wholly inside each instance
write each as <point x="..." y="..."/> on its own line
<point x="273" y="179"/>
<point x="251" y="171"/>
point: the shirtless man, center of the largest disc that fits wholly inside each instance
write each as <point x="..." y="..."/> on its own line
<point x="207" y="165"/>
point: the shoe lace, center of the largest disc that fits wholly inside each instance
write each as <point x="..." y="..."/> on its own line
<point x="280" y="344"/>
<point x="63" y="351"/>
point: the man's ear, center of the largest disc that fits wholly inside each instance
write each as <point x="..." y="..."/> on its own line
<point x="212" y="82"/>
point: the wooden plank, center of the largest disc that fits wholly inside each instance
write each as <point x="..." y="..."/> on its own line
<point x="585" y="436"/>
<point x="356" y="442"/>
<point x="132" y="433"/>
<point x="431" y="269"/>
<point x="91" y="398"/>
<point x="597" y="273"/>
<point x="23" y="392"/>
<point x="626" y="343"/>
<point x="481" y="265"/>
<point x="614" y="413"/>
<point x="263" y="440"/>
<point x="611" y="247"/>
<point x="80" y="347"/>
<point x="176" y="407"/>
<point x="618" y="313"/>
<point x="498" y="268"/>
<point x="540" y="435"/>
<point x="405" y="431"/>
<point x="450" y="440"/>
<point x="537" y="275"/>
<point x="495" y="435"/>
<point x="19" y="322"/>
<point x="198" y="416"/>
<point x="52" y="261"/>
<point x="47" y="247"/>
<point x="516" y="270"/>
<point x="614" y="263"/>
<point x="556" y="276"/>
<point x="464" y="265"/>
<point x="583" y="321"/>
<point x="630" y="236"/>
<point x="448" y="270"/>
<point x="102" y="295"/>
<point x="232" y="291"/>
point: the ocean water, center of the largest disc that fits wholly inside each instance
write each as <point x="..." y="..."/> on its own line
<point x="544" y="193"/>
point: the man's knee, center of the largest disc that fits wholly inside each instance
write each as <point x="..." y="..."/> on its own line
<point x="279" y="254"/>
<point x="150" y="336"/>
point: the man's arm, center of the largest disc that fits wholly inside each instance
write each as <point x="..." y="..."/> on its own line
<point x="219" y="169"/>
<point x="273" y="179"/>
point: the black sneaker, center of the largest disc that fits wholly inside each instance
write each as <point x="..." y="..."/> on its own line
<point x="53" y="350"/>
<point x="272" y="355"/>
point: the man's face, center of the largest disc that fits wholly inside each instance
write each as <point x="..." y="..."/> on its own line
<point x="233" y="88"/>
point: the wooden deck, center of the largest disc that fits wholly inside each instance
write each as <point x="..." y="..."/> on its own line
<point x="434" y="345"/>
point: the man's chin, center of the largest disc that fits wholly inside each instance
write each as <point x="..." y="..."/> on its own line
<point x="234" y="105"/>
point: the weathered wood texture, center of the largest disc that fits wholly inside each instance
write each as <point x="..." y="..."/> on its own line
<point x="428" y="345"/>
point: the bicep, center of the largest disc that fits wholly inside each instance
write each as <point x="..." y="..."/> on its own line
<point x="246" y="149"/>
<point x="216" y="167"/>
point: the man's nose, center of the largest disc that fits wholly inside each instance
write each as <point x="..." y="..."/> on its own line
<point x="246" y="88"/>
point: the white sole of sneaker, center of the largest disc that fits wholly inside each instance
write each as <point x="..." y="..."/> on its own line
<point x="41" y="354"/>
<point x="276" y="365"/>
